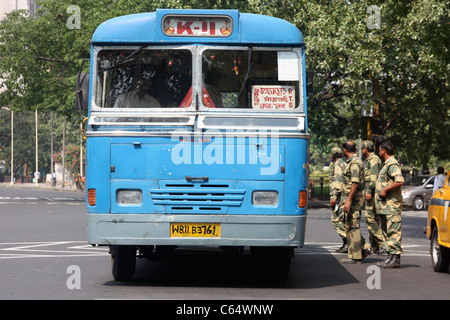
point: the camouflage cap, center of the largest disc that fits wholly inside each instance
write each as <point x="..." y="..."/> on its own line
<point x="368" y="145"/>
<point x="336" y="151"/>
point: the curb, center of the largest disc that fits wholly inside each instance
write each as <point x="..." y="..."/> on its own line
<point x="41" y="186"/>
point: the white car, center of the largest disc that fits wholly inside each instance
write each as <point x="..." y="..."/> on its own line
<point x="418" y="191"/>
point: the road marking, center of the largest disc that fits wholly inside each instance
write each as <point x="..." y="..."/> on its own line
<point x="57" y="249"/>
<point x="61" y="249"/>
<point x="328" y="248"/>
<point x="47" y="203"/>
<point x="54" y="199"/>
<point x="75" y="201"/>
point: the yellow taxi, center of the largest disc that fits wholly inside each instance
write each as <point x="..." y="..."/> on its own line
<point x="437" y="229"/>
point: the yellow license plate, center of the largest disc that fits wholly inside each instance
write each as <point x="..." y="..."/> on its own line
<point x="202" y="230"/>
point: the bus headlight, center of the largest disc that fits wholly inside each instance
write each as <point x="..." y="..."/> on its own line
<point x="265" y="198"/>
<point x="129" y="196"/>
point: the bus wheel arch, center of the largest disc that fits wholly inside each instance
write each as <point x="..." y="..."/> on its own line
<point x="440" y="255"/>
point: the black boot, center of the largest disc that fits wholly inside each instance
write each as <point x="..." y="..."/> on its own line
<point x="366" y="253"/>
<point x="381" y="264"/>
<point x="392" y="262"/>
<point x="344" y="248"/>
<point x="380" y="251"/>
<point x="351" y="261"/>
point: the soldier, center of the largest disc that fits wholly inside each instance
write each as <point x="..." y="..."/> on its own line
<point x="389" y="202"/>
<point x="372" y="167"/>
<point x="337" y="216"/>
<point x="352" y="202"/>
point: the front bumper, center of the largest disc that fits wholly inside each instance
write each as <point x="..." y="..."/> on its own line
<point x="408" y="200"/>
<point x="236" y="230"/>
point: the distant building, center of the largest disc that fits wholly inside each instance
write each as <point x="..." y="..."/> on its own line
<point x="7" y="6"/>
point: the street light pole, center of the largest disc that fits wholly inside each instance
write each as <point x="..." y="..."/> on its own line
<point x="12" y="147"/>
<point x="64" y="153"/>
<point x="51" y="145"/>
<point x="12" y="143"/>
<point x="37" y="167"/>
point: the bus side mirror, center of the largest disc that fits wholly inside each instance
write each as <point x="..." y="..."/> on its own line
<point x="82" y="92"/>
<point x="309" y="82"/>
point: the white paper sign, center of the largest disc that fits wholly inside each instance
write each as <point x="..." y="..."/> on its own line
<point x="288" y="66"/>
<point x="273" y="97"/>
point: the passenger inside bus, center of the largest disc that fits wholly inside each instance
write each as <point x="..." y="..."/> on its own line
<point x="146" y="79"/>
<point x="249" y="79"/>
<point x="138" y="97"/>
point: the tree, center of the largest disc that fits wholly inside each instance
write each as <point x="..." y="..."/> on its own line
<point x="399" y="67"/>
<point x="24" y="138"/>
<point x="42" y="55"/>
<point x="72" y="158"/>
<point x="414" y="88"/>
<point x="24" y="149"/>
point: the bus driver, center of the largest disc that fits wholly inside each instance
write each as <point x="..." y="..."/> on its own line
<point x="137" y="97"/>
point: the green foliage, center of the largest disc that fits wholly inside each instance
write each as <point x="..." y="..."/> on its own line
<point x="24" y="149"/>
<point x="72" y="158"/>
<point x="401" y="68"/>
<point x="25" y="135"/>
<point x="407" y="57"/>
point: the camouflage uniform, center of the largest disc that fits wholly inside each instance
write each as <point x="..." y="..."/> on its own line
<point x="353" y="172"/>
<point x="372" y="167"/>
<point x="337" y="216"/>
<point x="389" y="209"/>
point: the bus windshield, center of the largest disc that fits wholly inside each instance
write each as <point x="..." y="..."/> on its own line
<point x="142" y="78"/>
<point x="252" y="79"/>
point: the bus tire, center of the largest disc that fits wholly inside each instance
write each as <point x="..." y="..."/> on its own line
<point x="440" y="255"/>
<point x="123" y="262"/>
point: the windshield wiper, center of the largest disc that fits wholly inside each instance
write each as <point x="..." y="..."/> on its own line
<point x="126" y="59"/>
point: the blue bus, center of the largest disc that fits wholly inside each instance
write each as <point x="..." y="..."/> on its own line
<point x="196" y="137"/>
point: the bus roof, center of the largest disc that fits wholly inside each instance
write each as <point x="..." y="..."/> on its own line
<point x="146" y="28"/>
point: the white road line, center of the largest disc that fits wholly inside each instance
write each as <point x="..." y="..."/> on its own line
<point x="25" y="199"/>
<point x="20" y="250"/>
<point x="47" y="203"/>
<point x="62" y="249"/>
<point x="327" y="248"/>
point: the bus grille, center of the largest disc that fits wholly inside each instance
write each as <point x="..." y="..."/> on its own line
<point x="202" y="198"/>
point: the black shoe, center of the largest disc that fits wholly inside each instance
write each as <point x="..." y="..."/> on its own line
<point x="380" y="264"/>
<point x="350" y="261"/>
<point x="344" y="248"/>
<point x="366" y="253"/>
<point x="392" y="262"/>
<point x="380" y="251"/>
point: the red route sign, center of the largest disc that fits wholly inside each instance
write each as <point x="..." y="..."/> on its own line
<point x="196" y="26"/>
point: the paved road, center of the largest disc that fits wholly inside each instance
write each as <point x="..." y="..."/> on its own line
<point x="43" y="246"/>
